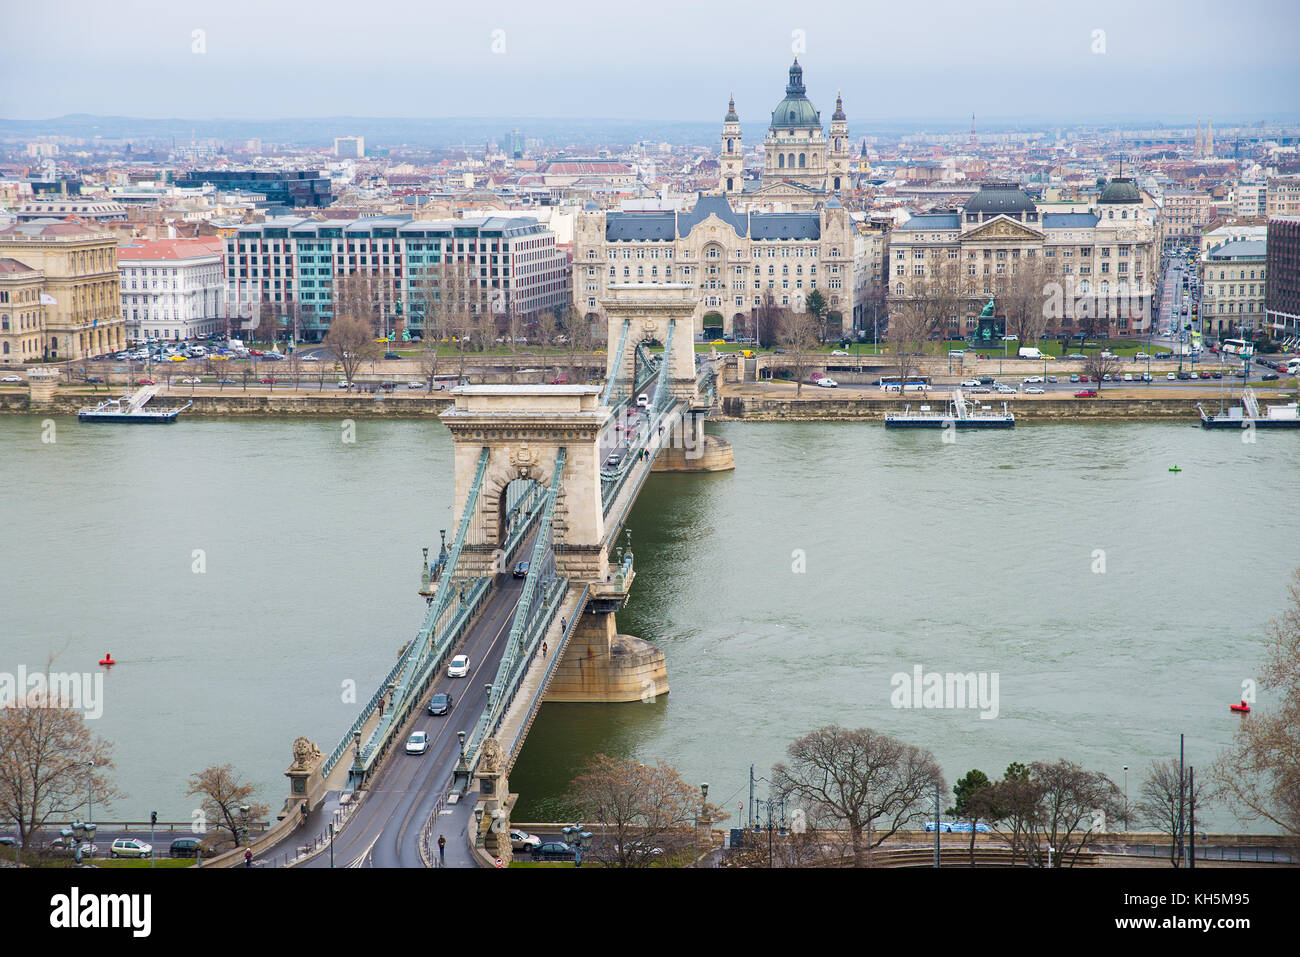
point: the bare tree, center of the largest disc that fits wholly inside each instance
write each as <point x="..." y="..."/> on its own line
<point x="858" y="779"/>
<point x="351" y="336"/>
<point x="798" y="333"/>
<point x="1259" y="776"/>
<point x="1165" y="802"/>
<point x="223" y="797"/>
<point x="1100" y="365"/>
<point x="50" y="763"/>
<point x="1051" y="812"/>
<point x="1023" y="296"/>
<point x="646" y="814"/>
<point x="545" y="328"/>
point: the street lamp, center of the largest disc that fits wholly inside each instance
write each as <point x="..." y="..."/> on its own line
<point x="90" y="791"/>
<point x="1126" y="797"/>
<point x="578" y="839"/>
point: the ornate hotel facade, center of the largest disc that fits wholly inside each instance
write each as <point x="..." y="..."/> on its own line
<point x="784" y="233"/>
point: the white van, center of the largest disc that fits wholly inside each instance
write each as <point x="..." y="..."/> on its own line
<point x="1029" y="352"/>
<point x="643" y="401"/>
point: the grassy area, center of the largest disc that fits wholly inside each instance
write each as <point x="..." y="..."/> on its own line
<point x="133" y="862"/>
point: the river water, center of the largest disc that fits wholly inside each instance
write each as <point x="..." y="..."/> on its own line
<point x="245" y="573"/>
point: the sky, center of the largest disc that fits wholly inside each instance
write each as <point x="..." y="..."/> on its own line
<point x="671" y="60"/>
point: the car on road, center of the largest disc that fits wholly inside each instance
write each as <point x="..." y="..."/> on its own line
<point x="970" y="384"/>
<point x="415" y="385"/>
<point x="1216" y="375"/>
<point x="1171" y="376"/>
<point x="521" y="570"/>
<point x="1003" y="389"/>
<point x="417" y="743"/>
<point x="226" y="381"/>
<point x="12" y="378"/>
<point x="826" y="382"/>
<point x="560" y="380"/>
<point x="391" y="355"/>
<point x="1051" y="379"/>
<point x="614" y="459"/>
<point x="1035" y="390"/>
<point x="269" y="380"/>
<point x="1074" y="377"/>
<point x="1183" y="375"/>
<point x="522" y="840"/>
<point x="459" y="667"/>
<point x="145" y="382"/>
<point x="981" y="390"/>
<point x="184" y="847"/>
<point x="191" y="380"/>
<point x="553" y="851"/>
<point x="1086" y="394"/>
<point x="1076" y="355"/>
<point x="130" y="847"/>
<point x="440" y="703"/>
<point x="1033" y="380"/>
<point x="312" y="358"/>
<point x="1141" y="355"/>
<point x="1268" y="376"/>
<point x="841" y="352"/>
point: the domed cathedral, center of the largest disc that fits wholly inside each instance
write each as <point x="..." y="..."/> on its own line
<point x="802" y="166"/>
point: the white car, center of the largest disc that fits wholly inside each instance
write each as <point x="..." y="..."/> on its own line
<point x="311" y="358"/>
<point x="130" y="847"/>
<point x="971" y="384"/>
<point x="1035" y="390"/>
<point x="1141" y="355"/>
<point x="459" y="667"/>
<point x="522" y="840"/>
<point x="417" y="743"/>
<point x="838" y="352"/>
<point x="826" y="382"/>
<point x="192" y="380"/>
<point x="1034" y="380"/>
<point x="1004" y="389"/>
<point x="12" y="378"/>
<point x="1171" y="377"/>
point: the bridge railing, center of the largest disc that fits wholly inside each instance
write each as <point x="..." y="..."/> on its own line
<point x="446" y="605"/>
<point x="612" y="384"/>
<point x="534" y="611"/>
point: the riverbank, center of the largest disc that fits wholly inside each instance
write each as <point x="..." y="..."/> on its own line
<point x="780" y="404"/>
<point x="241" y="404"/>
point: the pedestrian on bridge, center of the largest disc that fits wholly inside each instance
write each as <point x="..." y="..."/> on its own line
<point x="248" y="858"/>
<point x="442" y="850"/>
<point x="543" y="649"/>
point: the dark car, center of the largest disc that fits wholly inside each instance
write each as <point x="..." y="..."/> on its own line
<point x="553" y="851"/>
<point x="521" y="570"/>
<point x="391" y="355"/>
<point x="1184" y="375"/>
<point x="226" y="382"/>
<point x="94" y="378"/>
<point x="184" y="847"/>
<point x="1268" y="376"/>
<point x="440" y="703"/>
<point x="1216" y="375"/>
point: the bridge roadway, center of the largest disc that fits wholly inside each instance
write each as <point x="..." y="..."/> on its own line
<point x="386" y="828"/>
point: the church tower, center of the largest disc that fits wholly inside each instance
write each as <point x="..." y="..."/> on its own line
<point x="731" y="162"/>
<point x="837" y="157"/>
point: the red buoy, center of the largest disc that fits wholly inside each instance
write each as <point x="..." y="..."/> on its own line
<point x="1243" y="707"/>
<point x="107" y="661"/>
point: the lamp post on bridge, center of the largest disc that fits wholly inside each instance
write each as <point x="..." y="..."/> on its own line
<point x="578" y="839"/>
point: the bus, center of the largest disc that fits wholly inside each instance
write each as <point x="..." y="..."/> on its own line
<point x="1237" y="347"/>
<point x="915" y="383"/>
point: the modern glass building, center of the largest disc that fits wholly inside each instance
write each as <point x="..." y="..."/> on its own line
<point x="281" y="187"/>
<point x="289" y="266"/>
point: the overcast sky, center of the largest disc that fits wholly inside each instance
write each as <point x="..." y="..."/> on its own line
<point x="896" y="59"/>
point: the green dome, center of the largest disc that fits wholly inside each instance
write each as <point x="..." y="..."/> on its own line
<point x="1121" y="190"/>
<point x="795" y="111"/>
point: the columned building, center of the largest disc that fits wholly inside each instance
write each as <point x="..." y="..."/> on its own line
<point x="1102" y="263"/>
<point x="79" y="262"/>
<point x="22" y="316"/>
<point x="802" y="166"/>
<point x="1232" y="289"/>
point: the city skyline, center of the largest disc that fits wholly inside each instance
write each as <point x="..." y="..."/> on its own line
<point x="409" y="62"/>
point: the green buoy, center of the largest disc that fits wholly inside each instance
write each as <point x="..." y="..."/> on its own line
<point x="1174" y="468"/>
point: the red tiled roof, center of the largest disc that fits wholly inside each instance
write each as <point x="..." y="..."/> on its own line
<point x="14" y="266"/>
<point x="163" y="249"/>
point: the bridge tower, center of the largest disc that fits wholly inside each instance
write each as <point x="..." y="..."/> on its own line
<point x="523" y="427"/>
<point x="644" y="312"/>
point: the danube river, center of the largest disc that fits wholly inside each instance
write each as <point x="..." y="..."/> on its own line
<point x="246" y="573"/>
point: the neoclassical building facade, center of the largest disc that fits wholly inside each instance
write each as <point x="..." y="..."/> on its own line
<point x="802" y="164"/>
<point x="1105" y="260"/>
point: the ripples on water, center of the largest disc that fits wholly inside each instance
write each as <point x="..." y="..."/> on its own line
<point x="975" y="556"/>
